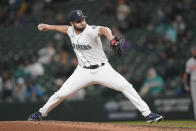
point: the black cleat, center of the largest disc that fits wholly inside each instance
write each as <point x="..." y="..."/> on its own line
<point x="153" y="118"/>
<point x="35" y="117"/>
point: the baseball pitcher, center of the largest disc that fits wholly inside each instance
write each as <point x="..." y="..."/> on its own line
<point x="93" y="66"/>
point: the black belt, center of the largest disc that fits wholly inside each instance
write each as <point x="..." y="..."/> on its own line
<point x="94" y="66"/>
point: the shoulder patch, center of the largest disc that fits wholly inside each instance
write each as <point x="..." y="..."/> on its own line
<point x="94" y="27"/>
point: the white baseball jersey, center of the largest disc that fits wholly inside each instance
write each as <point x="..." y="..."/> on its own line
<point x="87" y="46"/>
<point x="191" y="68"/>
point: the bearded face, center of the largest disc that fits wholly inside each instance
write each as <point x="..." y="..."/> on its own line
<point x="79" y="25"/>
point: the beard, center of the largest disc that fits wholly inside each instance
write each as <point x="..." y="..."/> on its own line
<point x="80" y="29"/>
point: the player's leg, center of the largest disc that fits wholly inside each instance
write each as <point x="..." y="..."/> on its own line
<point x="107" y="76"/>
<point x="193" y="91"/>
<point x="79" y="79"/>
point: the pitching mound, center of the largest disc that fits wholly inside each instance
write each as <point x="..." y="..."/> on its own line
<point x="76" y="126"/>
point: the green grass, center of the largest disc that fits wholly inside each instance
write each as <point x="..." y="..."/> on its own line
<point x="166" y="123"/>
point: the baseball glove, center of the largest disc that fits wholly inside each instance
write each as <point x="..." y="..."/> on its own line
<point x="116" y="46"/>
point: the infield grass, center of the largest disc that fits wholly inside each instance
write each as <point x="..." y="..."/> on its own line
<point x="164" y="123"/>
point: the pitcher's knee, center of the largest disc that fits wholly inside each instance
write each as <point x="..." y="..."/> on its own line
<point x="58" y="95"/>
<point x="126" y="87"/>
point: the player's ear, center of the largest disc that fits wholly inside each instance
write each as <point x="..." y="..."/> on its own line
<point x="71" y="23"/>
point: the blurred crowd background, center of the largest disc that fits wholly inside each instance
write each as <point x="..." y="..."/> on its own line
<point x="157" y="39"/>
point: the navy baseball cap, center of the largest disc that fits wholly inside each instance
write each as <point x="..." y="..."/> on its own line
<point x="76" y="15"/>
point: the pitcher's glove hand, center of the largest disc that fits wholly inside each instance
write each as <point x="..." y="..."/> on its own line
<point x="116" y="46"/>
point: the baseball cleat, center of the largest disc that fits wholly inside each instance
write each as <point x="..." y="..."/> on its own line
<point x="152" y="117"/>
<point x="35" y="117"/>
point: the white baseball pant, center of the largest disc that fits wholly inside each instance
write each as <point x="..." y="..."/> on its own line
<point x="104" y="75"/>
<point x="193" y="91"/>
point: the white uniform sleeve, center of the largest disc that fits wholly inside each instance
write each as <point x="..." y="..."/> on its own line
<point x="187" y="67"/>
<point x="95" y="31"/>
<point x="70" y="31"/>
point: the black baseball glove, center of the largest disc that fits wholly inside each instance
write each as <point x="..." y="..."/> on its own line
<point x="116" y="46"/>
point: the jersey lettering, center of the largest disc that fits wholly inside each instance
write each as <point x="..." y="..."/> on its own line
<point x="81" y="47"/>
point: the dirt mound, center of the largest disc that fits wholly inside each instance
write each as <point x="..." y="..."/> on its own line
<point x="76" y="126"/>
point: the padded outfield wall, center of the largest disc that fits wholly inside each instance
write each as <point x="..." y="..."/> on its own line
<point x="173" y="108"/>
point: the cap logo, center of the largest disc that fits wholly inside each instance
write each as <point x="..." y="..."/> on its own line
<point x="78" y="13"/>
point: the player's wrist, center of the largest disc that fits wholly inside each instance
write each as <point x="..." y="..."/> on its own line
<point x="111" y="38"/>
<point x="49" y="27"/>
